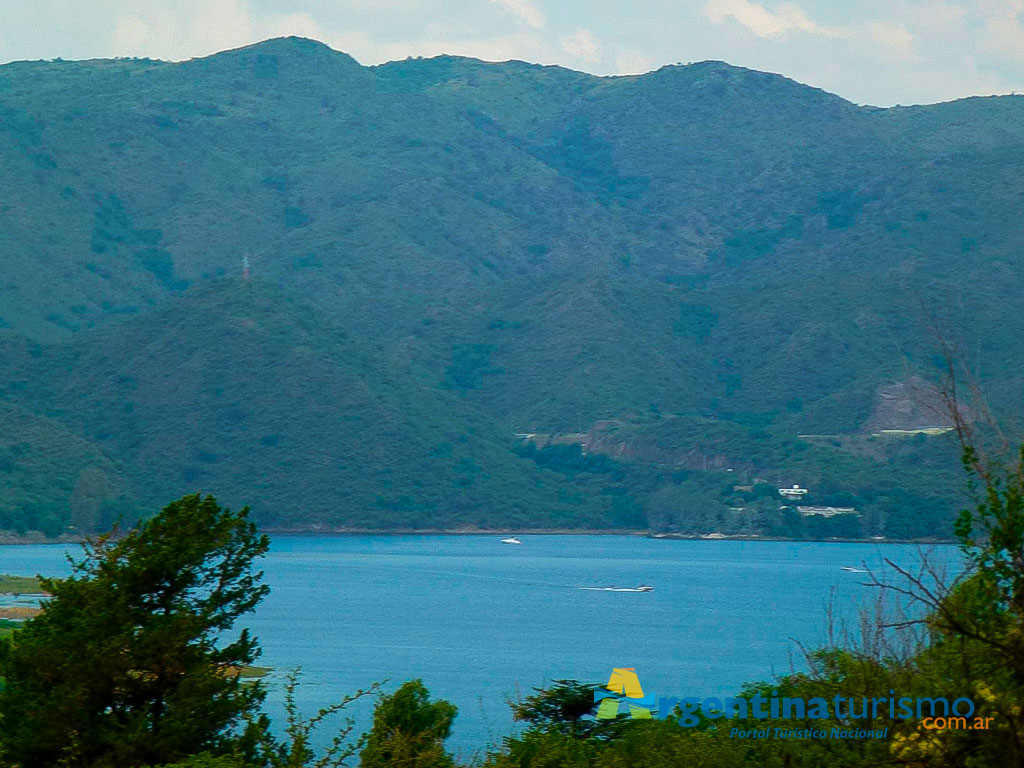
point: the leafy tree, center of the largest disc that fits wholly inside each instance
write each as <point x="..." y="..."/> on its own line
<point x="686" y="507"/>
<point x="409" y="730"/>
<point x="207" y="760"/>
<point x="976" y="624"/>
<point x="538" y="749"/>
<point x="126" y="666"/>
<point x="663" y="744"/>
<point x="565" y="707"/>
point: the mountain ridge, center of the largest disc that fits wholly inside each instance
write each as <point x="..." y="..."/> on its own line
<point x="480" y="250"/>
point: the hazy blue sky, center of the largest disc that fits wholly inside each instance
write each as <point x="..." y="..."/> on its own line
<point x="877" y="52"/>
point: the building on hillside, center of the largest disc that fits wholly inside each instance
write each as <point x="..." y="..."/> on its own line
<point x="796" y="493"/>
<point x="826" y="511"/>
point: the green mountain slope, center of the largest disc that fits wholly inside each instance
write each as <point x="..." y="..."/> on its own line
<point x="445" y="253"/>
<point x="53" y="480"/>
<point x="238" y="390"/>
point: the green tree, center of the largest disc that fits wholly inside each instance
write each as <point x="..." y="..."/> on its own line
<point x="565" y="707"/>
<point x="210" y="761"/>
<point x="687" y="507"/>
<point x="127" y="664"/>
<point x="976" y="624"/>
<point x="539" y="749"/>
<point x="409" y="730"/>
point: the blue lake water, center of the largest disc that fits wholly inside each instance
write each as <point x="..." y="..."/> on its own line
<point x="479" y="620"/>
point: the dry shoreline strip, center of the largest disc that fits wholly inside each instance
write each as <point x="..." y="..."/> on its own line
<point x="20" y="586"/>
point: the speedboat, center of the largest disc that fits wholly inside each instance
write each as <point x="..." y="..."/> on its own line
<point x="511" y="540"/>
<point x="851" y="569"/>
<point x="641" y="588"/>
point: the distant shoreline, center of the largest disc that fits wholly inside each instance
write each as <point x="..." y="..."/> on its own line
<point x="456" y="531"/>
<point x="579" y="532"/>
<point x="34" y="538"/>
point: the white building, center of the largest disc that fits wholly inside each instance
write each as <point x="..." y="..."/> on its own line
<point x="826" y="511"/>
<point x="796" y="493"/>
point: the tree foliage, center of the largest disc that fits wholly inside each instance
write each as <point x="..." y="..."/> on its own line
<point x="566" y="706"/>
<point x="130" y="663"/>
<point x="409" y="730"/>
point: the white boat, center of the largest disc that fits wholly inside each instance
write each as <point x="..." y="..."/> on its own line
<point x="511" y="540"/>
<point x="641" y="588"/>
<point x="851" y="569"/>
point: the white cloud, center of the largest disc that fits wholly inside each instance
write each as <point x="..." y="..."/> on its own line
<point x="582" y="45"/>
<point x="131" y="34"/>
<point x="930" y="84"/>
<point x="887" y="39"/>
<point x="890" y="37"/>
<point x="524" y="11"/>
<point x="197" y="28"/>
<point x="933" y="17"/>
<point x="218" y="24"/>
<point x="761" y="21"/>
<point x="632" y="63"/>
<point x="1004" y="28"/>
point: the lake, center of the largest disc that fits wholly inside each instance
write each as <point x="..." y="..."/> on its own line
<point x="479" y="620"/>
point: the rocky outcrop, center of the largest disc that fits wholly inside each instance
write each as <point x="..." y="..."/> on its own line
<point x="604" y="437"/>
<point x="909" y="404"/>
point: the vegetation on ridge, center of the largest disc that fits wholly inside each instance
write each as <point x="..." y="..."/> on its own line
<point x="445" y="253"/>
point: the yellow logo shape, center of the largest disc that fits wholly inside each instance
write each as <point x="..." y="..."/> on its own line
<point x="624" y="680"/>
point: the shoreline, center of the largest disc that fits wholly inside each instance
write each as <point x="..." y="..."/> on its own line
<point x="35" y="538"/>
<point x="936" y="540"/>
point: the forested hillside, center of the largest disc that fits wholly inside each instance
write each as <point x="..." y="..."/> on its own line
<point x="734" y="273"/>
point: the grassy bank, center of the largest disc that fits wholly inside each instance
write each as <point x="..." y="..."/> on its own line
<point x="19" y="585"/>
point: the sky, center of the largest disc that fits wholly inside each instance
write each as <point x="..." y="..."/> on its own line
<point x="880" y="52"/>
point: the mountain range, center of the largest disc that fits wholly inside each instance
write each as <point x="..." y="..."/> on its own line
<point x="444" y="293"/>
